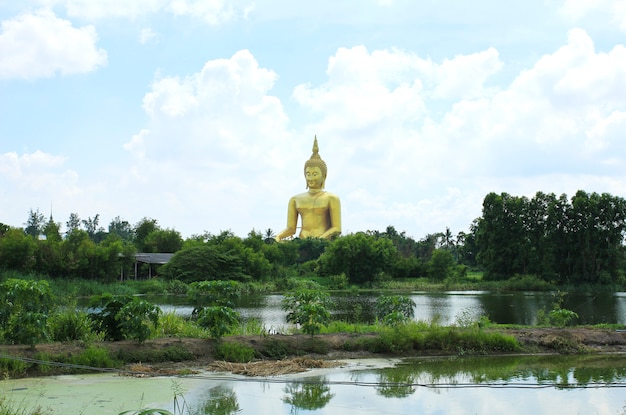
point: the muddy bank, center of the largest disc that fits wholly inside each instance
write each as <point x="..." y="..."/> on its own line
<point x="199" y="354"/>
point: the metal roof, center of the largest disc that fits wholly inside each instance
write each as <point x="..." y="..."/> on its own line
<point x="153" y="258"/>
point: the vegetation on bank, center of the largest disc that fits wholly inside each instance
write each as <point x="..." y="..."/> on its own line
<point x="544" y="241"/>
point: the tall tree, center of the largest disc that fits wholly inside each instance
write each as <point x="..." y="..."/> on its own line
<point x="35" y="223"/>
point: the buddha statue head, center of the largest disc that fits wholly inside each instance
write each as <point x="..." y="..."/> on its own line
<point x="316" y="161"/>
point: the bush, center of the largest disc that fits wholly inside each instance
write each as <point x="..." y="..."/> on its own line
<point x="308" y="308"/>
<point x="394" y="309"/>
<point x="234" y="352"/>
<point x="218" y="320"/>
<point x="70" y="324"/>
<point x="124" y="317"/>
<point x="24" y="308"/>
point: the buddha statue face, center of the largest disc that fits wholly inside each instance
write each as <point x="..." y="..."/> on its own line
<point x="314" y="178"/>
<point x="315" y="169"/>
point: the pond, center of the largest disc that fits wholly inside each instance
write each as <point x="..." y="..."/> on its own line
<point x="484" y="385"/>
<point x="446" y="307"/>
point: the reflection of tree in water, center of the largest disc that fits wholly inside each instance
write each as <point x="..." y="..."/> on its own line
<point x="310" y="395"/>
<point x="220" y="401"/>
<point x="396" y="382"/>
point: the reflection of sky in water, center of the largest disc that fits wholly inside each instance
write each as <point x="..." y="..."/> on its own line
<point x="452" y="306"/>
<point x="364" y="397"/>
<point x="359" y="390"/>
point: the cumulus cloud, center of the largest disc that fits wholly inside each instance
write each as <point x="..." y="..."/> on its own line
<point x="412" y="124"/>
<point x="216" y="139"/>
<point x="611" y="10"/>
<point x="39" y="44"/>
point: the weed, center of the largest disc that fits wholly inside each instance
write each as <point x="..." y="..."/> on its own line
<point x="234" y="352"/>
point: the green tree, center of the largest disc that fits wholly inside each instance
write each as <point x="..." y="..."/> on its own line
<point x="202" y="262"/>
<point x="142" y="229"/>
<point x="218" y="320"/>
<point x="24" y="309"/>
<point x="93" y="228"/>
<point x="17" y="250"/>
<point x="394" y="309"/>
<point x="35" y="223"/>
<point x="121" y="228"/>
<point x="163" y="240"/>
<point x="441" y="264"/>
<point x="360" y="256"/>
<point x="73" y="223"/>
<point x="124" y="317"/>
<point x="307" y="308"/>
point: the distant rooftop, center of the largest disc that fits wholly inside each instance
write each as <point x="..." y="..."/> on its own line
<point x="153" y="258"/>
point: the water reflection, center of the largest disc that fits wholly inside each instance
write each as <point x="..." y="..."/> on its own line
<point x="220" y="400"/>
<point x="310" y="395"/>
<point x="443" y="307"/>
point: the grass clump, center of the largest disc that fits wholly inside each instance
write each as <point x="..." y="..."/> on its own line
<point x="169" y="354"/>
<point x="422" y="337"/>
<point x="234" y="352"/>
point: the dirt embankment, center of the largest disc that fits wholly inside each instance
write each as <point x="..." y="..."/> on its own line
<point x="199" y="354"/>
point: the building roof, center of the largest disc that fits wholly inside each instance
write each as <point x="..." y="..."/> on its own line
<point x="153" y="258"/>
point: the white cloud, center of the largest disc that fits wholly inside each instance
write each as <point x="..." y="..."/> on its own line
<point x="39" y="44"/>
<point x="97" y="9"/>
<point x="554" y="128"/>
<point x="214" y="143"/>
<point x="147" y="35"/>
<point x="611" y="10"/>
<point x="213" y="12"/>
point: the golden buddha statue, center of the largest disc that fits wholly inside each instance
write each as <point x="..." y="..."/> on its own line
<point x="319" y="210"/>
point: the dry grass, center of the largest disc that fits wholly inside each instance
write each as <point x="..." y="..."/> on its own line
<point x="272" y="367"/>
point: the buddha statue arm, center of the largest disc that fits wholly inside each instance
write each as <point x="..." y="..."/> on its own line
<point x="292" y="221"/>
<point x="334" y="207"/>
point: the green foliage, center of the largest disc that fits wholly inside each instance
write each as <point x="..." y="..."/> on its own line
<point x="234" y="352"/>
<point x="359" y="256"/>
<point x="70" y="324"/>
<point x="218" y="320"/>
<point x="94" y="356"/>
<point x="163" y="240"/>
<point x="24" y="309"/>
<point x="577" y="241"/>
<point x="557" y="316"/>
<point x="204" y="262"/>
<point x="307" y="308"/>
<point x="527" y="283"/>
<point x="17" y="250"/>
<point x="275" y="348"/>
<point x="441" y="265"/>
<point x="394" y="309"/>
<point x="124" y="317"/>
<point x="174" y="353"/>
<point x="221" y="293"/>
<point x="173" y="325"/>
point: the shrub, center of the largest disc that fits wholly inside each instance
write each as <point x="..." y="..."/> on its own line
<point x="234" y="352"/>
<point x="70" y="324"/>
<point x="24" y="308"/>
<point x="394" y="309"/>
<point x="218" y="320"/>
<point x="275" y="349"/>
<point x="308" y="308"/>
<point x="124" y="317"/>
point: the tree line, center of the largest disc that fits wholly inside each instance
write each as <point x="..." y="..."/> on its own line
<point x="556" y="239"/>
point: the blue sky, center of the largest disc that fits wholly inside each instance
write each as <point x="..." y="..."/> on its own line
<point x="201" y="114"/>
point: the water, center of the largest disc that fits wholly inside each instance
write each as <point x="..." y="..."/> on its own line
<point x="446" y="307"/>
<point x="486" y="385"/>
